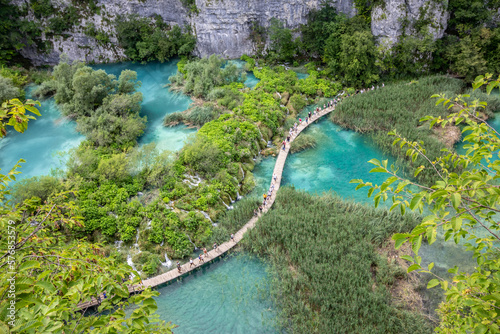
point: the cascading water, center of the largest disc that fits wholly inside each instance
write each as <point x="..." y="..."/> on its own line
<point x="242" y="171"/>
<point x="168" y="262"/>
<point x="195" y="248"/>
<point x="229" y="207"/>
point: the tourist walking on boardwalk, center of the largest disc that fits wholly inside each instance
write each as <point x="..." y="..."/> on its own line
<point x="205" y="253"/>
<point x="309" y="115"/>
<point x="284" y="145"/>
<point x="307" y="120"/>
<point x="232" y="237"/>
<point x="288" y="138"/>
<point x="274" y="177"/>
<point x="200" y="258"/>
<point x="191" y="263"/>
<point x="178" y="266"/>
<point x="215" y="246"/>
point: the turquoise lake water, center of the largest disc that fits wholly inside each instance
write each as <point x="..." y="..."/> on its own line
<point x="230" y="296"/>
<point x="51" y="134"/>
<point x="40" y="143"/>
<point x="157" y="102"/>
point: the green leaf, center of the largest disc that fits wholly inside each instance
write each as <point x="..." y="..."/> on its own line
<point x="480" y="329"/>
<point x="432" y="283"/>
<point x="456" y="198"/>
<point x="407" y="258"/>
<point x="46" y="286"/>
<point x="28" y="265"/>
<point x="415" y="201"/>
<point x="417" y="242"/>
<point x="378" y="170"/>
<point x="413" y="267"/>
<point x="456" y="223"/>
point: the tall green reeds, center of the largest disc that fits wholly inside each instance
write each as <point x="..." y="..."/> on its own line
<point x="399" y="107"/>
<point x="303" y="142"/>
<point x="327" y="276"/>
<point x="232" y="220"/>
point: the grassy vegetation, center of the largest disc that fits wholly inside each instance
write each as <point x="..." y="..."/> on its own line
<point x="327" y="277"/>
<point x="196" y="116"/>
<point x="232" y="220"/>
<point x="303" y="142"/>
<point x="399" y="107"/>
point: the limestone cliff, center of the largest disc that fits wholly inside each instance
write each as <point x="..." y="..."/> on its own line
<point x="394" y="17"/>
<point x="223" y="26"/>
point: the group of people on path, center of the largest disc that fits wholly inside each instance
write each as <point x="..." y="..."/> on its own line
<point x="201" y="257"/>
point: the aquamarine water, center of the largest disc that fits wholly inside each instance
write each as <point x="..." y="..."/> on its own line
<point x="340" y="156"/>
<point x="230" y="296"/>
<point x="157" y="102"/>
<point x="41" y="143"/>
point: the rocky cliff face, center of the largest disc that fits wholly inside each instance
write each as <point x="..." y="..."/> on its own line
<point x="223" y="26"/>
<point x="393" y="18"/>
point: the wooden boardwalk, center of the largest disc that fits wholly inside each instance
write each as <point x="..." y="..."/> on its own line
<point x="225" y="247"/>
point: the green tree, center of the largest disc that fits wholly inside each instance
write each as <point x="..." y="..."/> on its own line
<point x="357" y="58"/>
<point x="282" y="45"/>
<point x="463" y="205"/>
<point x="467" y="58"/>
<point x="316" y="32"/>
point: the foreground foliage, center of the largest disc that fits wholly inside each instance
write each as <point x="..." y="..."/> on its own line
<point x="322" y="251"/>
<point x="464" y="206"/>
<point x="45" y="274"/>
<point x="400" y="107"/>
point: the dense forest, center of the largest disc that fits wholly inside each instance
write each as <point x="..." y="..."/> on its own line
<point x="111" y="189"/>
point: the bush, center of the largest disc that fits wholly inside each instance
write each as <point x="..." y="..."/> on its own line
<point x="147" y="39"/>
<point x="37" y="186"/>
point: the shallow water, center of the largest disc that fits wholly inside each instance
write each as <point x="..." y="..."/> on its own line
<point x="157" y="102"/>
<point x="49" y="136"/>
<point x="229" y="296"/>
<point x="339" y="156"/>
<point x="40" y="144"/>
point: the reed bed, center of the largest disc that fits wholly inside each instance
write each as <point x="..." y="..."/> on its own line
<point x="232" y="220"/>
<point x="326" y="274"/>
<point x="400" y="107"/>
<point x="303" y="142"/>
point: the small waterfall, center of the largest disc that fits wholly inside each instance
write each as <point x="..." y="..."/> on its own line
<point x="136" y="245"/>
<point x="269" y="144"/>
<point x="261" y="136"/>
<point x="195" y="248"/>
<point x="228" y="206"/>
<point x="238" y="196"/>
<point x="131" y="263"/>
<point x="206" y="216"/>
<point x="242" y="172"/>
<point x="230" y="199"/>
<point x="279" y="95"/>
<point x="168" y="262"/>
<point x="118" y="244"/>
<point x="194" y="181"/>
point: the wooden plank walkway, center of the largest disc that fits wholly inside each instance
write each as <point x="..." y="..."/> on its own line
<point x="225" y="247"/>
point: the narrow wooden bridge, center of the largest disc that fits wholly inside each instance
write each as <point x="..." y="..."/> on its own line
<point x="225" y="247"/>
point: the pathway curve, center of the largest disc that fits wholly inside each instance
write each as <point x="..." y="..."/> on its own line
<point x="225" y="247"/>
